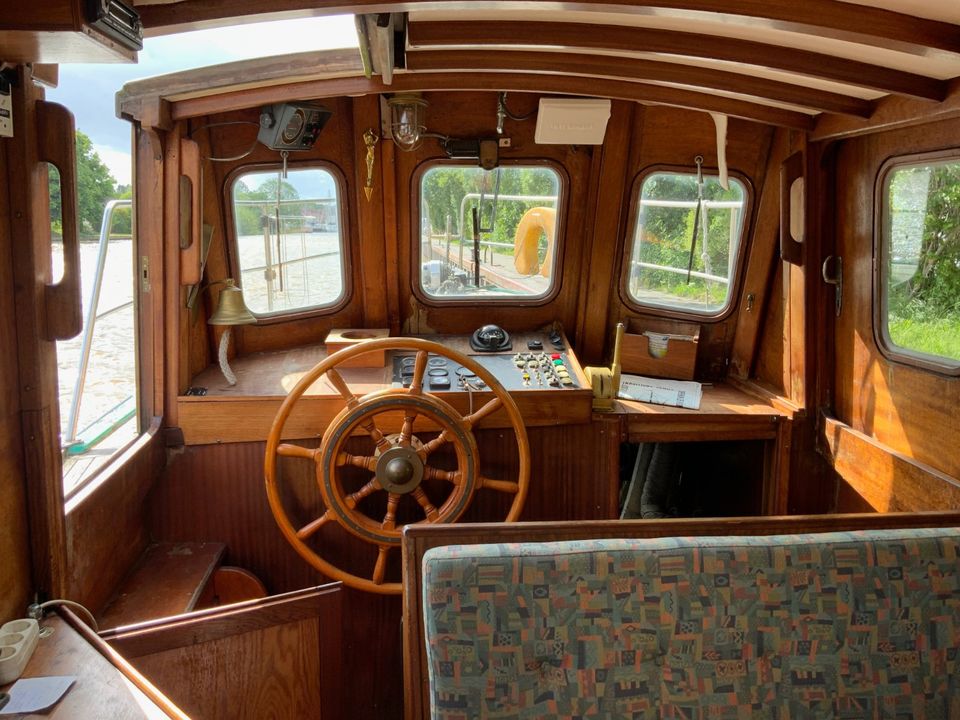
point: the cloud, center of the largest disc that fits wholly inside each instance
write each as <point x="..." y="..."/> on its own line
<point x="119" y="162"/>
<point x="89" y="90"/>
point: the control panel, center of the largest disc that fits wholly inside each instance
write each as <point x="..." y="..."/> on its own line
<point x="518" y="371"/>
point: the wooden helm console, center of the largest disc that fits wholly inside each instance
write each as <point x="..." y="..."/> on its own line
<point x="398" y="461"/>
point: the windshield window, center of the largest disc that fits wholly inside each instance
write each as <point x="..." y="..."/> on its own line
<point x="686" y="241"/>
<point x="488" y="233"/>
<point x="288" y="239"/>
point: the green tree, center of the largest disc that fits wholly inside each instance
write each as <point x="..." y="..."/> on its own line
<point x="95" y="186"/>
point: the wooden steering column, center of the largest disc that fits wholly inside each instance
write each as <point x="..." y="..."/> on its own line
<point x="399" y="462"/>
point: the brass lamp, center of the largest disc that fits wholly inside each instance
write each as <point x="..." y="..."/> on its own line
<point x="407" y="124"/>
<point x="231" y="310"/>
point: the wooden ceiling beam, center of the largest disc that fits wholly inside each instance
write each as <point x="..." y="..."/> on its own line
<point x="629" y="39"/>
<point x="845" y="21"/>
<point x="514" y="82"/>
<point x="635" y="69"/>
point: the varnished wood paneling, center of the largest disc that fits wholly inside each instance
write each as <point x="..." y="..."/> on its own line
<point x="888" y="481"/>
<point x="37" y="359"/>
<point x="216" y="493"/>
<point x="657" y="144"/>
<point x="910" y="410"/>
<point x="671" y="42"/>
<point x="105" y="524"/>
<point x="637" y="69"/>
<point x="14" y="543"/>
<point x="770" y="366"/>
<point x="760" y="265"/>
<point x="279" y="657"/>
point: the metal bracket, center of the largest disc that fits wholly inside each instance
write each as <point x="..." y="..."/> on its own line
<point x="835" y="279"/>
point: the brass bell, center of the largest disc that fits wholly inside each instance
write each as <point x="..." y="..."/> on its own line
<point x="231" y="310"/>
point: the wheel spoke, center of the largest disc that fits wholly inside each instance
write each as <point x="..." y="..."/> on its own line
<point x="378" y="437"/>
<point x="427" y="448"/>
<point x="368" y="489"/>
<point x="380" y="569"/>
<point x="406" y="432"/>
<point x="367" y="462"/>
<point x="489" y="407"/>
<point x="390" y="519"/>
<point x="419" y="369"/>
<point x="451" y="476"/>
<point x="310" y="528"/>
<point x="336" y="379"/>
<point x="504" y="486"/>
<point x="429" y="510"/>
<point x="288" y="450"/>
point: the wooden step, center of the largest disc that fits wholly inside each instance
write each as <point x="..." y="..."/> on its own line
<point x="168" y="580"/>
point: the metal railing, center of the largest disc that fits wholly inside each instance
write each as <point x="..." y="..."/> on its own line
<point x="89" y="325"/>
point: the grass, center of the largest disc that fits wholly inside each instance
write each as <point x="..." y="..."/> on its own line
<point x="939" y="337"/>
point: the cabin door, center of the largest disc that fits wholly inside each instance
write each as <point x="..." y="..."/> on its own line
<point x="896" y="321"/>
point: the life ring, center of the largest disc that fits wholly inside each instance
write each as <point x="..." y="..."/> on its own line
<point x="526" y="242"/>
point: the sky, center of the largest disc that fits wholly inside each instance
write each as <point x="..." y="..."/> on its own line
<point x="88" y="90"/>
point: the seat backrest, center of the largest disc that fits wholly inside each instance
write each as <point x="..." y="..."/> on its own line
<point x="840" y="624"/>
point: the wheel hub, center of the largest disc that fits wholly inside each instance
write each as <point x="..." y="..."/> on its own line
<point x="399" y="470"/>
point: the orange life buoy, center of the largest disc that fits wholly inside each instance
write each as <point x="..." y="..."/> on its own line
<point x="526" y="242"/>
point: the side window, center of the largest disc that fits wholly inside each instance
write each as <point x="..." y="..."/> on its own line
<point x="289" y="242"/>
<point x="489" y="234"/>
<point x="919" y="269"/>
<point x="686" y="243"/>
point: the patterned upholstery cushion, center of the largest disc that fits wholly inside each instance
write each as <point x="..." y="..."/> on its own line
<point x="838" y="625"/>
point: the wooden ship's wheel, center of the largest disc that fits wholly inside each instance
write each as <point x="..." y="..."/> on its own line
<point x="399" y="462"/>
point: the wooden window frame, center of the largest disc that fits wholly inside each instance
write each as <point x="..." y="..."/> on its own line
<point x="881" y="333"/>
<point x="416" y="261"/>
<point x="233" y="253"/>
<point x="736" y="278"/>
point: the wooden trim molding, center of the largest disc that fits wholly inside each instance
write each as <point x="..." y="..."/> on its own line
<point x="886" y="479"/>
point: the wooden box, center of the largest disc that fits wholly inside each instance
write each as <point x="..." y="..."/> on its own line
<point x="660" y="351"/>
<point x="339" y="339"/>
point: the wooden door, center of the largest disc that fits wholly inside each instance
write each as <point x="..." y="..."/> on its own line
<point x="892" y="439"/>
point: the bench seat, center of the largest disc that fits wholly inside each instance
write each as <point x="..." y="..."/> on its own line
<point x="858" y="624"/>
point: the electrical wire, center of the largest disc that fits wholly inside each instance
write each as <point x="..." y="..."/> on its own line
<point x="221" y="124"/>
<point x="502" y="105"/>
<point x="36" y="611"/>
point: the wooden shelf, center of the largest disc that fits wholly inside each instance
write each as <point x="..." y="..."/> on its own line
<point x="725" y="413"/>
<point x="167" y="580"/>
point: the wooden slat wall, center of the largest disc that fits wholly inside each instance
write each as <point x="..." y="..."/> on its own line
<point x="215" y="493"/>
<point x="14" y="543"/>
<point x="656" y="141"/>
<point x="908" y="410"/>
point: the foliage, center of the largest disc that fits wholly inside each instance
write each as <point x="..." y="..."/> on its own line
<point x="664" y="237"/>
<point x="444" y="188"/>
<point x="250" y="217"/>
<point x="95" y="186"/>
<point x="923" y="258"/>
